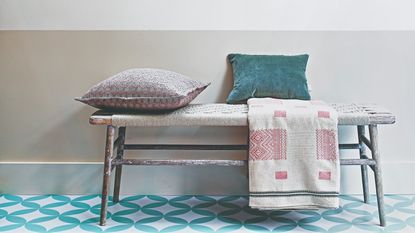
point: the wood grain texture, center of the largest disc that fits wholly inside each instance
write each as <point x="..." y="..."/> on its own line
<point x="342" y="146"/>
<point x="183" y="147"/>
<point x="373" y="132"/>
<point x="186" y="162"/>
<point x="220" y="162"/>
<point x="363" y="168"/>
<point x="109" y="149"/>
<point x="118" y="169"/>
<point x="364" y="140"/>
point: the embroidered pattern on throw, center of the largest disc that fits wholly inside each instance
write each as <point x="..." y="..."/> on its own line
<point x="326" y="144"/>
<point x="268" y="144"/>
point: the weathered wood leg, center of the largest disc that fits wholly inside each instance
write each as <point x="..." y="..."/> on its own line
<point x="373" y="131"/>
<point x="363" y="168"/>
<point x="118" y="168"/>
<point x="109" y="148"/>
<point x="247" y="155"/>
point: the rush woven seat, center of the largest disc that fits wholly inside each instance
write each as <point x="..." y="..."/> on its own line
<point x="233" y="115"/>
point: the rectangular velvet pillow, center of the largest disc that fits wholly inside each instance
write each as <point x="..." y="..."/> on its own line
<point x="275" y="76"/>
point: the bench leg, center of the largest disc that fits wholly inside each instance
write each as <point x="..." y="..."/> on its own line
<point x="363" y="168"/>
<point x="109" y="148"/>
<point x="118" y="168"/>
<point x="373" y="131"/>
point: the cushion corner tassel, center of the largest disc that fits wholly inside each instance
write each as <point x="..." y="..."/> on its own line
<point x="293" y="154"/>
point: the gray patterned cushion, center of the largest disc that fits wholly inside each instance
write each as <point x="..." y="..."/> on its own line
<point x="143" y="89"/>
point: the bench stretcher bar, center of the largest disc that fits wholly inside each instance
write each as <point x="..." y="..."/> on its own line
<point x="204" y="147"/>
<point x="219" y="162"/>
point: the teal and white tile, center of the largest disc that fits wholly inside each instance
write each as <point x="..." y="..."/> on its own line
<point x="150" y="213"/>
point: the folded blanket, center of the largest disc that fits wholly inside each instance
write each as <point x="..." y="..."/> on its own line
<point x="293" y="154"/>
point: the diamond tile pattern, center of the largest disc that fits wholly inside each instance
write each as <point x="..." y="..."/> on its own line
<point x="149" y="213"/>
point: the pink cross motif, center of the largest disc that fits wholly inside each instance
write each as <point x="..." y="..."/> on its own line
<point x="324" y="175"/>
<point x="279" y="113"/>
<point x="323" y="114"/>
<point x="281" y="175"/>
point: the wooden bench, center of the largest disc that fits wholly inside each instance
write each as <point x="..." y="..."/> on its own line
<point x="359" y="115"/>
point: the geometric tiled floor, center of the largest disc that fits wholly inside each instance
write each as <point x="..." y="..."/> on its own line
<point x="140" y="213"/>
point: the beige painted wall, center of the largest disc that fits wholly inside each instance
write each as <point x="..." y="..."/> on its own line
<point x="42" y="71"/>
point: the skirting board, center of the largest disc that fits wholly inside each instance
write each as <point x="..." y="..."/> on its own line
<point x="86" y="178"/>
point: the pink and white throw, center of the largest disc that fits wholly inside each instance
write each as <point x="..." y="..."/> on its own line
<point x="293" y="154"/>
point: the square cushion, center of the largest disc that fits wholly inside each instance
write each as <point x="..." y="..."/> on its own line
<point x="143" y="89"/>
<point x="275" y="76"/>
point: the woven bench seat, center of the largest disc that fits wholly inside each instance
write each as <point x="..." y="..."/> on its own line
<point x="232" y="115"/>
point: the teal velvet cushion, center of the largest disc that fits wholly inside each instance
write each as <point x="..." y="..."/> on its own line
<point x="275" y="76"/>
